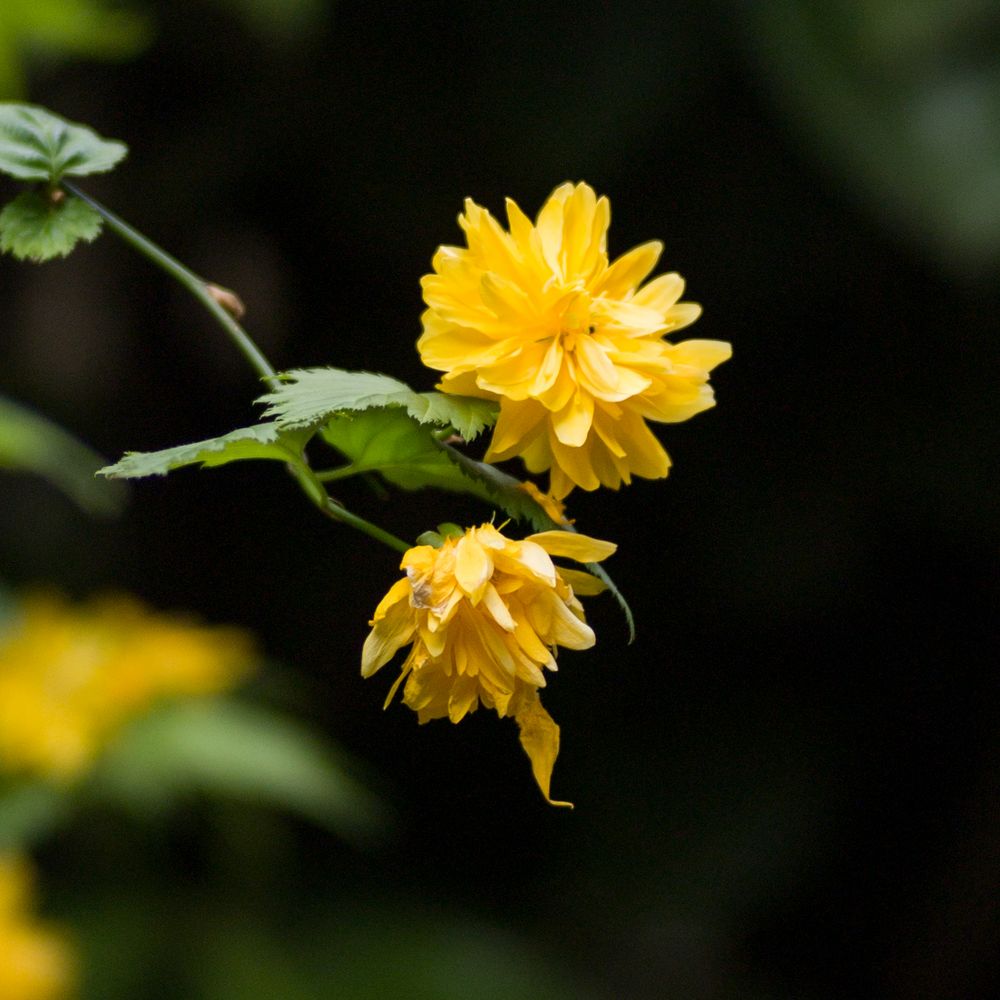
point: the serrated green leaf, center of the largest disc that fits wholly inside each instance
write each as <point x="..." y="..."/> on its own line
<point x="36" y="145"/>
<point x="31" y="443"/>
<point x="266" y="441"/>
<point x="467" y="414"/>
<point x="33" y="227"/>
<point x="222" y="747"/>
<point x="311" y="396"/>
<point x="390" y="442"/>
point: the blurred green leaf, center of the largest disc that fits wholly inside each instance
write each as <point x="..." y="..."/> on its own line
<point x="89" y="28"/>
<point x="31" y="443"/>
<point x="285" y="18"/>
<point x="264" y="441"/>
<point x="30" y="811"/>
<point x="34" y="227"/>
<point x="36" y="145"/>
<point x="903" y="101"/>
<point x="378" y="952"/>
<point x="310" y="396"/>
<point x="220" y="747"/>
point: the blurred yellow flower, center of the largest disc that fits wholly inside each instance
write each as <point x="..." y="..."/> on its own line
<point x="484" y="615"/>
<point x="70" y="677"/>
<point x="570" y="344"/>
<point x="36" y="963"/>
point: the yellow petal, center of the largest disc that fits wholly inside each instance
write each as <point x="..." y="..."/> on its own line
<point x="393" y="630"/>
<point x="473" y="567"/>
<point x="681" y="315"/>
<point x="540" y="739"/>
<point x="518" y="424"/>
<point x="585" y="584"/>
<point x="497" y="609"/>
<point x="399" y="591"/>
<point x="574" y="462"/>
<point x="573" y="545"/>
<point x="566" y="629"/>
<point x="630" y="270"/>
<point x="572" y="423"/>
<point x="703" y="354"/>
<point x="661" y="293"/>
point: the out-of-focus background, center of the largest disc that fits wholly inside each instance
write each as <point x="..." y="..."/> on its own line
<point x="787" y="786"/>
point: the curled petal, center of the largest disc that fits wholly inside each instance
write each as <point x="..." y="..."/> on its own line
<point x="540" y="739"/>
<point x="573" y="545"/>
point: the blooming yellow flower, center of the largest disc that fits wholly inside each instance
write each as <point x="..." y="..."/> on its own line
<point x="36" y="963"/>
<point x="484" y="614"/>
<point x="570" y="344"/>
<point x="70" y="677"/>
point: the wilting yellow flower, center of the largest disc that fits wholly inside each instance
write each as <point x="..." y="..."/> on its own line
<point x="36" y="963"/>
<point x="571" y="345"/>
<point x="484" y="615"/>
<point x="70" y="677"/>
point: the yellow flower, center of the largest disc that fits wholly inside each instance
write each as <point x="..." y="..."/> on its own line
<point x="484" y="615"/>
<point x="571" y="345"/>
<point x="70" y="677"/>
<point x="35" y="962"/>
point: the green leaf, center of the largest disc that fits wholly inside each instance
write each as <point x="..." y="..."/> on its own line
<point x="30" y="811"/>
<point x="468" y="415"/>
<point x="34" y="227"/>
<point x="221" y="747"/>
<point x="390" y="442"/>
<point x="507" y="492"/>
<point x="267" y="441"/>
<point x="310" y="396"/>
<point x="280" y="19"/>
<point x="36" y="145"/>
<point x="31" y="443"/>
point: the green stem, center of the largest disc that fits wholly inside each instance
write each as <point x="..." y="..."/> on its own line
<point x="195" y="285"/>
<point x="331" y="475"/>
<point x="307" y="481"/>
<point x="335" y="512"/>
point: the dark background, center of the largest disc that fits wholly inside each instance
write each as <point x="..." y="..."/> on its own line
<point x="786" y="787"/>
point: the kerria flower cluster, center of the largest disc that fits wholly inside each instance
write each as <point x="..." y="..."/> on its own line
<point x="72" y="676"/>
<point x="572" y="346"/>
<point x="484" y="616"/>
<point x="36" y="962"/>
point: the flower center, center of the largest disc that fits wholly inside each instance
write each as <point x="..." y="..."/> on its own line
<point x="575" y="321"/>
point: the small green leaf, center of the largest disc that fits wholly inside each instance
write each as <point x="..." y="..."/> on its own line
<point x="31" y="443"/>
<point x="405" y="453"/>
<point x="33" y="227"/>
<point x="221" y="747"/>
<point x="36" y="145"/>
<point x="310" y="396"/>
<point x="266" y="441"/>
<point x="30" y="811"/>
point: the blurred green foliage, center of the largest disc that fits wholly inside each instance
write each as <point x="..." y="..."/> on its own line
<point x="57" y="29"/>
<point x="901" y="99"/>
<point x="775" y="791"/>
<point x="31" y="443"/>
